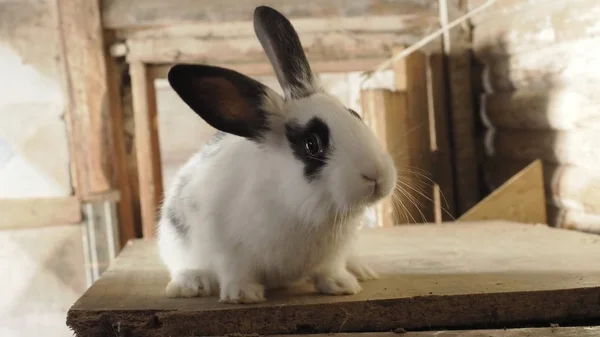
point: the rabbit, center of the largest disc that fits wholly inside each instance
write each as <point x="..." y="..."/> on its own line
<point x="276" y="196"/>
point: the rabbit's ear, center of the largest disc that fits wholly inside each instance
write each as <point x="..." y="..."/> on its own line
<point x="282" y="45"/>
<point x="225" y="99"/>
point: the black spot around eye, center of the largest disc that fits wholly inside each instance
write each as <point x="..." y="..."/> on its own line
<point x="354" y="113"/>
<point x="297" y="135"/>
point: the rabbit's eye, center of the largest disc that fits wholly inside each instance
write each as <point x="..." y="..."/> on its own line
<point x="312" y="145"/>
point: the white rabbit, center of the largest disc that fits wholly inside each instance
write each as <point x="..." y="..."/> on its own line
<point x="276" y="196"/>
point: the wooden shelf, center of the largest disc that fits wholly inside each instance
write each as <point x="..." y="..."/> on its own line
<point x="453" y="275"/>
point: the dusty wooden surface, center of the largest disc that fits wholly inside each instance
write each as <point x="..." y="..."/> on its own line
<point x="489" y="274"/>
<point x="521" y="198"/>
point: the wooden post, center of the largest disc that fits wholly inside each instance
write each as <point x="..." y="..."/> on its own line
<point x="87" y="113"/>
<point x="417" y="176"/>
<point x="147" y="146"/>
<point x="441" y="163"/>
<point x="93" y="114"/>
<point x="385" y="112"/>
<point x="462" y="114"/>
<point x="127" y="212"/>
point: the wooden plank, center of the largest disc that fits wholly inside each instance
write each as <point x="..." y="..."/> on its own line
<point x="266" y="69"/>
<point x="556" y="109"/>
<point x="86" y="86"/>
<point x="42" y="212"/>
<point x="384" y="111"/>
<point x="334" y="45"/>
<point x="454" y="275"/>
<point x="442" y="167"/>
<point x="587" y="331"/>
<point x="147" y="146"/>
<point x="119" y="14"/>
<point x="410" y="76"/>
<point x="519" y="199"/>
<point x="537" y="26"/>
<point x="462" y="116"/>
<point x="405" y="22"/>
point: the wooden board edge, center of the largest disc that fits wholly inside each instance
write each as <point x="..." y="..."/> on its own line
<point x="534" y="169"/>
<point x="465" y="311"/>
<point x="39" y="212"/>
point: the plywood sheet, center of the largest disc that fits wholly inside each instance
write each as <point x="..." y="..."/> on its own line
<point x="530" y="332"/>
<point x="492" y="274"/>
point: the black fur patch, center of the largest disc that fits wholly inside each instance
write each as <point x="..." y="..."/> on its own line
<point x="298" y="134"/>
<point x="283" y="47"/>
<point x="354" y="113"/>
<point x="227" y="100"/>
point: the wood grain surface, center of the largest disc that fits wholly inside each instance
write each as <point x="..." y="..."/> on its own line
<point x="453" y="275"/>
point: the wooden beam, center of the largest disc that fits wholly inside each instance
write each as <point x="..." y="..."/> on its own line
<point x="520" y="199"/>
<point x="405" y="23"/>
<point x="266" y="69"/>
<point x="88" y="112"/>
<point x="147" y="146"/>
<point x="321" y="46"/>
<point x="120" y="14"/>
<point x="41" y="212"/>
<point x="462" y="114"/>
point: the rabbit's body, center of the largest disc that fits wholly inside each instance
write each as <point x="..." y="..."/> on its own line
<point x="275" y="198"/>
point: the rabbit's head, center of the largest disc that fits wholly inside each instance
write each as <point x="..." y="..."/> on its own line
<point x="339" y="155"/>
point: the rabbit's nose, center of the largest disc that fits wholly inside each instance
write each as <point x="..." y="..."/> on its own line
<point x="371" y="175"/>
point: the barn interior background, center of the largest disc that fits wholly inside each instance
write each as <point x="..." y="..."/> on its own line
<point x="90" y="133"/>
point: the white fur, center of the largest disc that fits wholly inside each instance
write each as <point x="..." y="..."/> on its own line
<point x="254" y="219"/>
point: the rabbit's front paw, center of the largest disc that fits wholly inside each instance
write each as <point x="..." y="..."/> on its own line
<point x="190" y="283"/>
<point x="341" y="283"/>
<point x="242" y="293"/>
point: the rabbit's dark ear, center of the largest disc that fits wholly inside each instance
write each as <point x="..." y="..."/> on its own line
<point x="282" y="45"/>
<point x="225" y="99"/>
